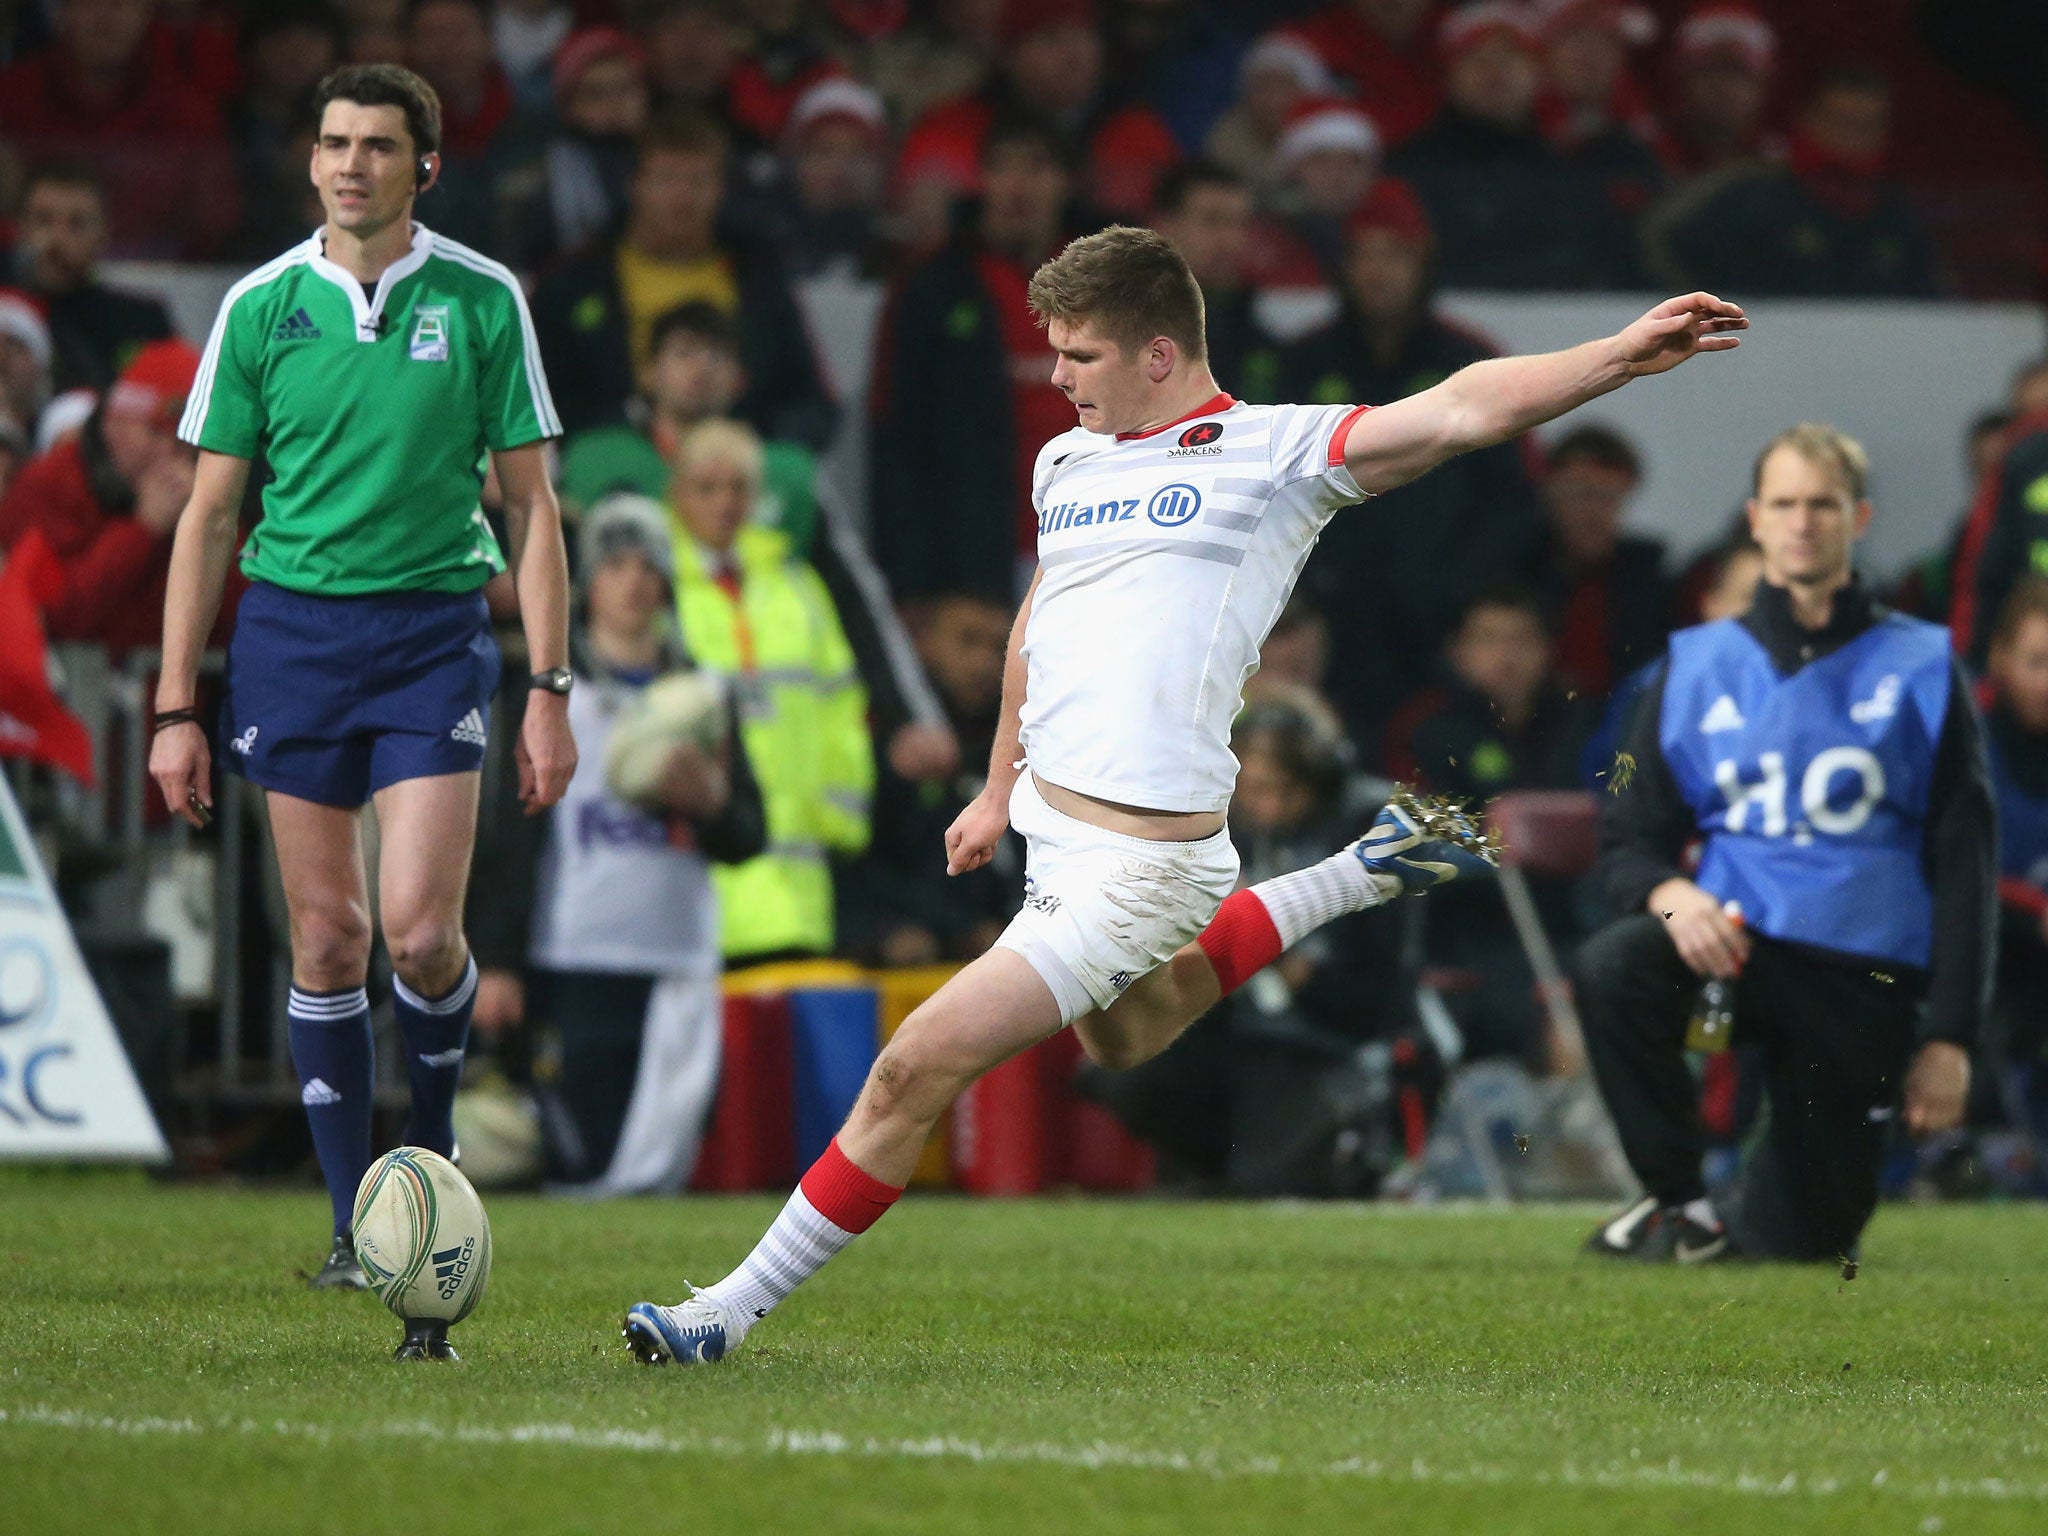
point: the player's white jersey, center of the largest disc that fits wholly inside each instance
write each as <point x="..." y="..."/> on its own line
<point x="1165" y="558"/>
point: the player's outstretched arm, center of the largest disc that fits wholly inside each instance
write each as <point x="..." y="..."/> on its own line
<point x="1497" y="399"/>
<point x="545" y="751"/>
<point x="200" y="552"/>
<point x="971" y="840"/>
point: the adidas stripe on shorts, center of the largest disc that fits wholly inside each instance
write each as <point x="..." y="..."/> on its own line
<point x="331" y="698"/>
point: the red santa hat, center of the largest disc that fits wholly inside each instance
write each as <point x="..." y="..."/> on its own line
<point x="156" y="383"/>
<point x="1393" y="206"/>
<point x="1470" y="25"/>
<point x="584" y="48"/>
<point x="1020" y="19"/>
<point x="1728" y="29"/>
<point x="1325" y="123"/>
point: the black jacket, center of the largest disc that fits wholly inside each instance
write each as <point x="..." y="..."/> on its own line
<point x="1393" y="578"/>
<point x="901" y="880"/>
<point x="1761" y="231"/>
<point x="1243" y="355"/>
<point x="1637" y="597"/>
<point x="1510" y="213"/>
<point x="94" y="332"/>
<point x="1450" y="739"/>
<point x="943" y="455"/>
<point x="2015" y="537"/>
<point x="580" y="319"/>
<point x="1646" y="824"/>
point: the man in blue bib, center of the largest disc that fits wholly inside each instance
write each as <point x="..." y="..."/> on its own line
<point x="1824" y="754"/>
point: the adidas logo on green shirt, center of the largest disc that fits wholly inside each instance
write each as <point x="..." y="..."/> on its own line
<point x="299" y="327"/>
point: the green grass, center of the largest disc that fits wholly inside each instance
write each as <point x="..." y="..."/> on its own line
<point x="1048" y="1366"/>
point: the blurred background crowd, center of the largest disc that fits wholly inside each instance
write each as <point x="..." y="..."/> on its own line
<point x="707" y="198"/>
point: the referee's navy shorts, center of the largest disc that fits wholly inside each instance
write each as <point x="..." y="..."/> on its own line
<point x="331" y="698"/>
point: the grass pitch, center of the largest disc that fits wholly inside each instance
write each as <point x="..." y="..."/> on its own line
<point x="1063" y="1366"/>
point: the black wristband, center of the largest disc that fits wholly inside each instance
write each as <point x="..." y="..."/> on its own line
<point x="169" y="717"/>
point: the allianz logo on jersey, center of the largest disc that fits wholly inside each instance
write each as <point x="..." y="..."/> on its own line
<point x="1168" y="507"/>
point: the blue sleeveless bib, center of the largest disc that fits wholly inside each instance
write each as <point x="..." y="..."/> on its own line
<point x="1811" y="790"/>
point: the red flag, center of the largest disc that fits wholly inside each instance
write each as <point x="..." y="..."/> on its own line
<point x="33" y="721"/>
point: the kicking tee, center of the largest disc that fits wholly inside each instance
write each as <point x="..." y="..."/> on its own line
<point x="1164" y="559"/>
<point x="375" y="410"/>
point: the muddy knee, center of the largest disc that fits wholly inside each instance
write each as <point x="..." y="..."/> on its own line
<point x="909" y="1081"/>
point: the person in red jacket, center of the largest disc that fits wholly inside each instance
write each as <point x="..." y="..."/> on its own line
<point x="108" y="502"/>
<point x="1051" y="71"/>
<point x="106" y="93"/>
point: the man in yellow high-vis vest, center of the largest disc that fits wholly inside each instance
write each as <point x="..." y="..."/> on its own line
<point x="753" y="613"/>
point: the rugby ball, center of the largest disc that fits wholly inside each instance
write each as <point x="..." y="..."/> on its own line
<point x="421" y="1236"/>
<point x="681" y="709"/>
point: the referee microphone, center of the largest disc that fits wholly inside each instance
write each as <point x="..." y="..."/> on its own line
<point x="422" y="173"/>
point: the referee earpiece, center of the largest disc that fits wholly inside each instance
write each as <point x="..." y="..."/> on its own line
<point x="422" y="174"/>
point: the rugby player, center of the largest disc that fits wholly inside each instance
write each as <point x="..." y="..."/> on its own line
<point x="1173" y="521"/>
<point x="376" y="365"/>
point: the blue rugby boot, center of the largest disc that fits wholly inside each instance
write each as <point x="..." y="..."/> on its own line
<point x="692" y="1332"/>
<point x="1419" y="842"/>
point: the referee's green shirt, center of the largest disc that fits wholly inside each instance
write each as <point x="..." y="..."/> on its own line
<point x="375" y="411"/>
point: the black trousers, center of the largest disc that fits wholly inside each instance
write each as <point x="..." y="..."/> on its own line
<point x="601" y="1017"/>
<point x="1835" y="1038"/>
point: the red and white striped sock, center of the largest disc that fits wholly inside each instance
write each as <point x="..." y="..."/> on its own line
<point x="1255" y="927"/>
<point x="833" y="1204"/>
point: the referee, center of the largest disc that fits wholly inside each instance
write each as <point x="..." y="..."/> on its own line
<point x="374" y="366"/>
<point x="1825" y="755"/>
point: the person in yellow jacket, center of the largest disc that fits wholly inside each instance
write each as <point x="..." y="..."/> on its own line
<point x="753" y="612"/>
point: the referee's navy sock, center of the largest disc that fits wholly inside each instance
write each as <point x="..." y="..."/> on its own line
<point x="332" y="1053"/>
<point x="435" y="1030"/>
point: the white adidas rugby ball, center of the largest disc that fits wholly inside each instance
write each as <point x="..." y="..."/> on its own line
<point x="682" y="709"/>
<point x="421" y="1236"/>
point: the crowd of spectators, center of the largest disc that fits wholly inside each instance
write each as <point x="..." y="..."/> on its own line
<point x="663" y="174"/>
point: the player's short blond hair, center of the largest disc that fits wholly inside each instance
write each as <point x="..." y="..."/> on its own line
<point x="720" y="442"/>
<point x="1828" y="447"/>
<point x="1128" y="286"/>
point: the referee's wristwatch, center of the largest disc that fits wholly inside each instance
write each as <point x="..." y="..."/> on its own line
<point x="557" y="680"/>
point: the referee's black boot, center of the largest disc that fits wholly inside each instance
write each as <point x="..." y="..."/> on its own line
<point x="340" y="1272"/>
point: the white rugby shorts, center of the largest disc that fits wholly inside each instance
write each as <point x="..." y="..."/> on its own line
<point x="1101" y="909"/>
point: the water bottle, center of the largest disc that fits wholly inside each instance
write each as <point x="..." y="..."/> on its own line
<point x="1712" y="1026"/>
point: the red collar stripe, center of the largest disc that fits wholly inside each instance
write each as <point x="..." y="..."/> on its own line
<point x="1220" y="402"/>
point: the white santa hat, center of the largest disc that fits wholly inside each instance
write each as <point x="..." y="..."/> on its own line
<point x="1325" y="124"/>
<point x="1728" y="29"/>
<point x="840" y="98"/>
<point x="1631" y="23"/>
<point x="24" y="322"/>
<point x="1286" y="53"/>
